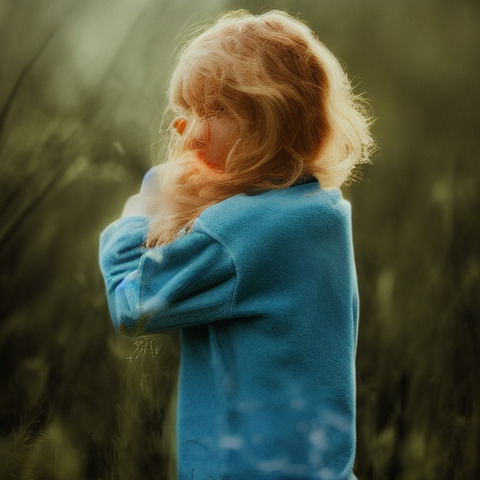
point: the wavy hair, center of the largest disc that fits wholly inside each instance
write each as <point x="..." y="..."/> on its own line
<point x="296" y="112"/>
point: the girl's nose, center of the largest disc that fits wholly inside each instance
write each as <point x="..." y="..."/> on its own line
<point x="199" y="135"/>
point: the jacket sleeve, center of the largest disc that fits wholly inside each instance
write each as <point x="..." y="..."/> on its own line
<point x="188" y="282"/>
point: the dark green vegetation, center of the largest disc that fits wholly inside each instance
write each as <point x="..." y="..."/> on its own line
<point x="81" y="95"/>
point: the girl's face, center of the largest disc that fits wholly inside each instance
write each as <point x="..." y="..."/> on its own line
<point x="210" y="138"/>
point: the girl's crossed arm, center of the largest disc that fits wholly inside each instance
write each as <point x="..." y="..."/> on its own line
<point x="177" y="285"/>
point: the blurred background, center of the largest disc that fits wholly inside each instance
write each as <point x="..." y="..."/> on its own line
<point x="82" y="88"/>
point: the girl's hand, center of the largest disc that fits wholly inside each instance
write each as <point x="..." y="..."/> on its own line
<point x="143" y="203"/>
<point x="137" y="205"/>
<point x="151" y="182"/>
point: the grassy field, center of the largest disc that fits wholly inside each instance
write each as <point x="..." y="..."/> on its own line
<point x="81" y="95"/>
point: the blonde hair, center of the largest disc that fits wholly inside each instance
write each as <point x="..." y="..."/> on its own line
<point x="296" y="113"/>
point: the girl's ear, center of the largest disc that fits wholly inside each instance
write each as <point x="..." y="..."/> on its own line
<point x="179" y="125"/>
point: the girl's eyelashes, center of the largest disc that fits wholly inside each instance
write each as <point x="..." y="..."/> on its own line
<point x="215" y="114"/>
<point x="205" y="113"/>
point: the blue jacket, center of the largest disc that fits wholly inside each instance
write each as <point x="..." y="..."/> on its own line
<point x="264" y="291"/>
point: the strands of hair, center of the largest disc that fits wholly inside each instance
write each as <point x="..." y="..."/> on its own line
<point x="294" y="106"/>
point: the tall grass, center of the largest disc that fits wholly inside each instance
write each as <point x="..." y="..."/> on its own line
<point x="81" y="92"/>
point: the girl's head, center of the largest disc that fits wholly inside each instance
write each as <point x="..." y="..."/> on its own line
<point x="259" y="103"/>
<point x="287" y="94"/>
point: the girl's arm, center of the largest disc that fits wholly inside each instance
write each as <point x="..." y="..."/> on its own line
<point x="188" y="282"/>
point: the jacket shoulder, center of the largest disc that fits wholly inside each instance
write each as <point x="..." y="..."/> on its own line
<point x="299" y="207"/>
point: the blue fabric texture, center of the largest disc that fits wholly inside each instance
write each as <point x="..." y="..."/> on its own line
<point x="264" y="291"/>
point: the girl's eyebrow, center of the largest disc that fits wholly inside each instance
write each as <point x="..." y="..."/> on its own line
<point x="203" y="112"/>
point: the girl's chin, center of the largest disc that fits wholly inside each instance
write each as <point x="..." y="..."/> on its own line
<point x="201" y="157"/>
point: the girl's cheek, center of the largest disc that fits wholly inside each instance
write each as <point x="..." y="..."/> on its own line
<point x="210" y="140"/>
<point x="224" y="133"/>
<point x="213" y="163"/>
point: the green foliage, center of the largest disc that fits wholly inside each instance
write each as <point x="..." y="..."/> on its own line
<point x="81" y="97"/>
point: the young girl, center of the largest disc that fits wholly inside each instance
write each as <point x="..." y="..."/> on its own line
<point x="243" y="242"/>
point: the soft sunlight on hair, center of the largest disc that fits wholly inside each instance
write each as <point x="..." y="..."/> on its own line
<point x="295" y="108"/>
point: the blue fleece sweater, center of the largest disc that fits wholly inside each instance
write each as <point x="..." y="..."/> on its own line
<point x="264" y="291"/>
